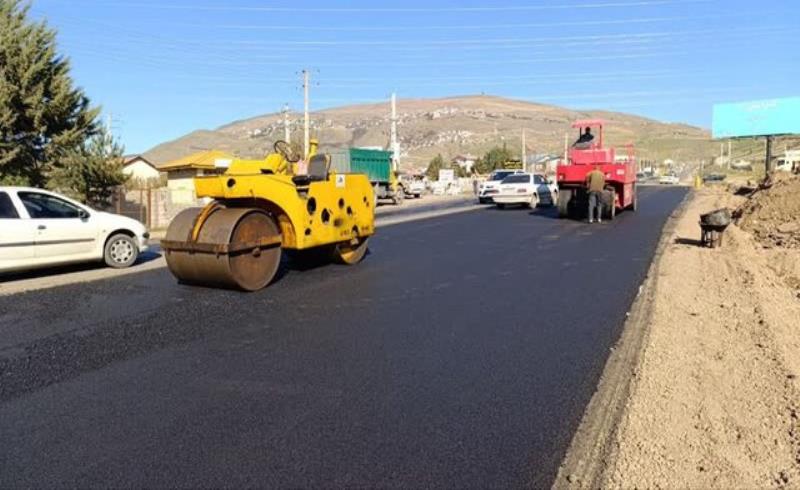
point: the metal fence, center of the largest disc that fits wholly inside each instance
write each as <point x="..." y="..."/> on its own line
<point x="153" y="207"/>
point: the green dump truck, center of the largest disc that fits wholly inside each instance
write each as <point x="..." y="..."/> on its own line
<point x="376" y="164"/>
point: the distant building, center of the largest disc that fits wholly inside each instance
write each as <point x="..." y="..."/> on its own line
<point x="466" y="162"/>
<point x="181" y="172"/>
<point x="141" y="172"/>
<point x="542" y="163"/>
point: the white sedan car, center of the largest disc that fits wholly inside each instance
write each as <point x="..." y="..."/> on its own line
<point x="669" y="179"/>
<point x="527" y="190"/>
<point x="40" y="228"/>
<point x="488" y="189"/>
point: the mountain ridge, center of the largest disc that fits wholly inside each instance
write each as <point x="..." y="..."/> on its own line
<point x="448" y="125"/>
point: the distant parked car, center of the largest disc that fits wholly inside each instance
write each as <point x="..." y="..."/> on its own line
<point x="40" y="228"/>
<point x="488" y="189"/>
<point x="669" y="179"/>
<point x="413" y="187"/>
<point x="526" y="189"/>
<point x="711" y="178"/>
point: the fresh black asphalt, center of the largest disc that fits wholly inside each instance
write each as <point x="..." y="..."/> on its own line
<point x="461" y="353"/>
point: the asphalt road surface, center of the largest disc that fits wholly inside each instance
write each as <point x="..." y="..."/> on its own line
<point x="461" y="353"/>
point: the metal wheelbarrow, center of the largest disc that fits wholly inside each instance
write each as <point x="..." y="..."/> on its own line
<point x="713" y="225"/>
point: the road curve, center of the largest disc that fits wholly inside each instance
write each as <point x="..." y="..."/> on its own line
<point x="461" y="353"/>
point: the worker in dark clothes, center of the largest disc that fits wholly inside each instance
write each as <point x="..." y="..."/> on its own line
<point x="595" y="185"/>
<point x="585" y="140"/>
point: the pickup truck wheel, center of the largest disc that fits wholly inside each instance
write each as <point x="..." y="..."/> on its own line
<point x="120" y="251"/>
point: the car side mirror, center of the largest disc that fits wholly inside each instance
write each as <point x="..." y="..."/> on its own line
<point x="82" y="214"/>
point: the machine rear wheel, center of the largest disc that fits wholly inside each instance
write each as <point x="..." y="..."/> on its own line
<point x="350" y="253"/>
<point x="238" y="248"/>
<point x="564" y="196"/>
<point x="612" y="206"/>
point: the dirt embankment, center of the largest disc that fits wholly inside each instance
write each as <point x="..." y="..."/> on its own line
<point x="716" y="397"/>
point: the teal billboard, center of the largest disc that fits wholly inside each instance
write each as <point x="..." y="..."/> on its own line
<point x="757" y="118"/>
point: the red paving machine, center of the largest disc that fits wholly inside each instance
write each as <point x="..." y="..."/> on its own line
<point x="620" y="172"/>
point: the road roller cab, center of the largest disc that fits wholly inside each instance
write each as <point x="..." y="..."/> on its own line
<point x="259" y="207"/>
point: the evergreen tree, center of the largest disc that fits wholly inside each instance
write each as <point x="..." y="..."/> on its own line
<point x="493" y="160"/>
<point x="436" y="164"/>
<point x="42" y="115"/>
<point x="91" y="172"/>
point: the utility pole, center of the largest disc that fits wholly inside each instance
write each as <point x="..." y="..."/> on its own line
<point x="306" y="128"/>
<point x="524" y="153"/>
<point x="730" y="157"/>
<point x="109" y="124"/>
<point x="395" y="144"/>
<point x="769" y="165"/>
<point x="110" y="130"/>
<point x="287" y="132"/>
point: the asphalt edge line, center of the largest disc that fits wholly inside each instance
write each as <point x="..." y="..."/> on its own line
<point x="591" y="450"/>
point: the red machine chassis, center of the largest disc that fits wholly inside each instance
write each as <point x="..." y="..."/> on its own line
<point x="620" y="176"/>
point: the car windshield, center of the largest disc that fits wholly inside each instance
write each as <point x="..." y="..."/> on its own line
<point x="517" y="179"/>
<point x="500" y="175"/>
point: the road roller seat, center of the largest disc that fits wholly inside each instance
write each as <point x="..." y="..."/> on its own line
<point x="318" y="168"/>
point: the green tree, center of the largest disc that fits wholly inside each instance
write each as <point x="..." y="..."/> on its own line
<point x="493" y="159"/>
<point x="42" y="115"/>
<point x="90" y="172"/>
<point x="436" y="164"/>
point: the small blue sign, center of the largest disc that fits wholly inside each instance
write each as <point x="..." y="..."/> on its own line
<point x="757" y="118"/>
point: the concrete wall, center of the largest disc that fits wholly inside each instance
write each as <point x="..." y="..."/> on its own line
<point x="181" y="185"/>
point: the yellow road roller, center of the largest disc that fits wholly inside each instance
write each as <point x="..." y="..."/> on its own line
<point x="260" y="207"/>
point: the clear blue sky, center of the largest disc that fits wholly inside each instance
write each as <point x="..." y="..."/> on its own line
<point x="165" y="68"/>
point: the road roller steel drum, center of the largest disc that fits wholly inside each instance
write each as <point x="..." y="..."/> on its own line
<point x="259" y="207"/>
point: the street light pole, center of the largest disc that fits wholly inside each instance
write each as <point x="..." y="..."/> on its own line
<point x="306" y="128"/>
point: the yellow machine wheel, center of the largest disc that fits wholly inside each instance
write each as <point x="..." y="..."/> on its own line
<point x="352" y="252"/>
<point x="236" y="248"/>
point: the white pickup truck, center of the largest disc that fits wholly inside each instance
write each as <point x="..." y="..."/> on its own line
<point x="40" y="229"/>
<point x="412" y="186"/>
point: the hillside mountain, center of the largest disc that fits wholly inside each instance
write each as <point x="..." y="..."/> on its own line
<point x="450" y="126"/>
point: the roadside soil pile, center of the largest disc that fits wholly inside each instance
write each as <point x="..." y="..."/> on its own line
<point x="772" y="215"/>
<point x="715" y="400"/>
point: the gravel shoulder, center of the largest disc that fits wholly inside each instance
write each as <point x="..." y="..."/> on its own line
<point x="714" y="400"/>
